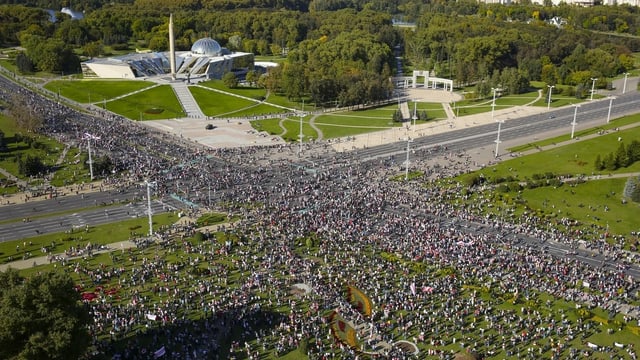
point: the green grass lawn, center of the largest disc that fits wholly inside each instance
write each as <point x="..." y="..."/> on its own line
<point x="46" y="149"/>
<point x="215" y="104"/>
<point x="95" y="91"/>
<point x="583" y="202"/>
<point x="587" y="202"/>
<point x="97" y="235"/>
<point x="576" y="158"/>
<point x="159" y="102"/>
<point x="271" y="126"/>
<point x="293" y="130"/>
<point x="250" y="92"/>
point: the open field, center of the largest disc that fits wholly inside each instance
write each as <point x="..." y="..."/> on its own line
<point x="159" y="102"/>
<point x="595" y="204"/>
<point x="68" y="169"/>
<point x="222" y="105"/>
<point x="95" y="91"/>
<point x="96" y="235"/>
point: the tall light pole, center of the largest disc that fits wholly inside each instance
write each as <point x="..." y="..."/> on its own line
<point x="149" y="185"/>
<point x="415" y="114"/>
<point x="90" y="137"/>
<point x="493" y="103"/>
<point x="624" y="86"/>
<point x="406" y="165"/>
<point x="550" y="92"/>
<point x="573" y="124"/>
<point x="498" y="138"/>
<point x="593" y="86"/>
<point x="611" y="98"/>
<point x="300" y="136"/>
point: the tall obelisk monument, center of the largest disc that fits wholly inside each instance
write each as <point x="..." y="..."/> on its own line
<point x="172" y="48"/>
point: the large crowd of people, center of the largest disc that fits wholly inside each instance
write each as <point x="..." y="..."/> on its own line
<point x="432" y="280"/>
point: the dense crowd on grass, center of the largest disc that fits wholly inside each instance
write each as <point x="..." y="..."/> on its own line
<point x="472" y="284"/>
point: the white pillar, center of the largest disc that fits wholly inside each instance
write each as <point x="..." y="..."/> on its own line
<point x="611" y="98"/>
<point x="149" y="207"/>
<point x="90" y="160"/>
<point x="172" y="48"/>
<point x="573" y="124"/>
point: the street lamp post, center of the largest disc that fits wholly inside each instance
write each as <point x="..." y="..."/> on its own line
<point x="300" y="136"/>
<point x="611" y="98"/>
<point x="593" y="86"/>
<point x="493" y="103"/>
<point x="149" y="212"/>
<point x="573" y="124"/>
<point x="498" y="138"/>
<point x="415" y="114"/>
<point x="90" y="137"/>
<point x="406" y="165"/>
<point x="624" y="86"/>
<point x="550" y="92"/>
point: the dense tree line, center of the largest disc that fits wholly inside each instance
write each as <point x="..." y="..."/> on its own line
<point x="341" y="52"/>
<point x="623" y="156"/>
<point x="41" y="317"/>
<point x="473" y="50"/>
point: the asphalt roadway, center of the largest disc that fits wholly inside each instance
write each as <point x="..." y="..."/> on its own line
<point x="78" y="211"/>
<point x="589" y="114"/>
<point x="72" y="212"/>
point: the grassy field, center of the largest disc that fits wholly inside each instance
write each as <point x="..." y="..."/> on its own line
<point x="572" y="159"/>
<point x="293" y="130"/>
<point x="95" y="91"/>
<point x="216" y="104"/>
<point x="250" y="92"/>
<point x="271" y="126"/>
<point x="156" y="103"/>
<point x="96" y="235"/>
<point x="595" y="204"/>
<point x="48" y="150"/>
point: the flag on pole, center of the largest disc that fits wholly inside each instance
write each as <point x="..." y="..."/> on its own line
<point x="160" y="352"/>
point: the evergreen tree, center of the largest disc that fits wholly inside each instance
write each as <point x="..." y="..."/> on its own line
<point x="599" y="164"/>
<point x="622" y="158"/>
<point x="610" y="162"/>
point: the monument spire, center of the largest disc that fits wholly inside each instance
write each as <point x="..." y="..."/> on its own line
<point x="172" y="48"/>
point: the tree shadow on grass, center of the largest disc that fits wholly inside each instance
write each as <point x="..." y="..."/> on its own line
<point x="220" y="335"/>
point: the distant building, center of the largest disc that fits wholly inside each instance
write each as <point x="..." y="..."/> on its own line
<point x="206" y="59"/>
<point x="75" y="15"/>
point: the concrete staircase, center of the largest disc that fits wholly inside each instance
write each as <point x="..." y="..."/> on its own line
<point x="189" y="104"/>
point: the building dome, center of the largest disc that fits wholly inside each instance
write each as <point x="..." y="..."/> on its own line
<point x="206" y="46"/>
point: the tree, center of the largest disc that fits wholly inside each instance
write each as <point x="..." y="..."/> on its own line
<point x="622" y="157"/>
<point x="252" y="77"/>
<point x="22" y="113"/>
<point x="230" y="80"/>
<point x="41" y="317"/>
<point x="24" y="64"/>
<point x="31" y="165"/>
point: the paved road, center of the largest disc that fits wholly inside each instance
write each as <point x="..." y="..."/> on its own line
<point x="589" y="114"/>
